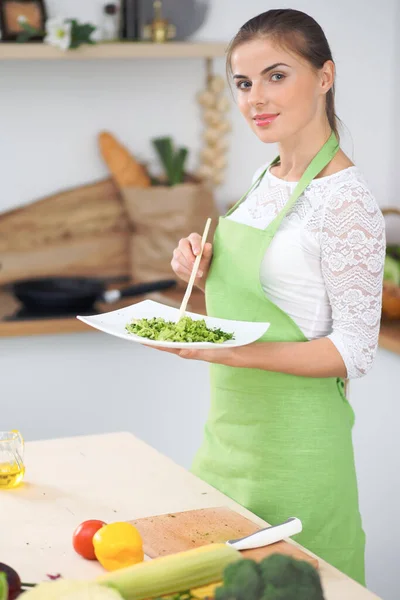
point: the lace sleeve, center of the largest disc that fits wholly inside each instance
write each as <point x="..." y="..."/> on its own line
<point x="352" y="258"/>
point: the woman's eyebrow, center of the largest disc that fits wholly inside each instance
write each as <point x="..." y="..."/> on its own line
<point x="264" y="71"/>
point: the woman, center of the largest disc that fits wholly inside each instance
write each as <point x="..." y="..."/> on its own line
<point x="308" y="259"/>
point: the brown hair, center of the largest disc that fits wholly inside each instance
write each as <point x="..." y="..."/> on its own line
<point x="296" y="31"/>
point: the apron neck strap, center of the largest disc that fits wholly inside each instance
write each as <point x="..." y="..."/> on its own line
<point x="318" y="163"/>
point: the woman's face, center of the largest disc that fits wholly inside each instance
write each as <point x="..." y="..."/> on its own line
<point x="278" y="92"/>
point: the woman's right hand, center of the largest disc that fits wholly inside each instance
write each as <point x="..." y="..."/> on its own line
<point x="185" y="255"/>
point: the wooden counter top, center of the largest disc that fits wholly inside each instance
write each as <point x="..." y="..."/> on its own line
<point x="113" y="477"/>
<point x="8" y="305"/>
<point x="389" y="338"/>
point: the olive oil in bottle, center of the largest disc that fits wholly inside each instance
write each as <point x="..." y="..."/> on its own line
<point x="11" y="475"/>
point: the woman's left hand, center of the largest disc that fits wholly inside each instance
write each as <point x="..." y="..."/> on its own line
<point x="220" y="357"/>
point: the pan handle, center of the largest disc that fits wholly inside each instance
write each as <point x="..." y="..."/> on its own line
<point x="138" y="290"/>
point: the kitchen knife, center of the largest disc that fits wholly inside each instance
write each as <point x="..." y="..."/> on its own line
<point x="267" y="536"/>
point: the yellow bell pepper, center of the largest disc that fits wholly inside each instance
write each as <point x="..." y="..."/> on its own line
<point x="206" y="591"/>
<point x="118" y="545"/>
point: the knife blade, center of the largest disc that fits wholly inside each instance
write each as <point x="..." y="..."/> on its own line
<point x="268" y="535"/>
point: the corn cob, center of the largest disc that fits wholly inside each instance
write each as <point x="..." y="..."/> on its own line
<point x="173" y="573"/>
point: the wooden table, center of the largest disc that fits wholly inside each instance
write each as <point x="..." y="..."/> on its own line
<point x="113" y="477"/>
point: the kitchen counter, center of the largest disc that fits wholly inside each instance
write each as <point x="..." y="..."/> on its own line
<point x="70" y="324"/>
<point x="112" y="477"/>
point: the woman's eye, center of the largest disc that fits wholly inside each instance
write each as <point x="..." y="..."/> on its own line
<point x="243" y="85"/>
<point x="277" y="77"/>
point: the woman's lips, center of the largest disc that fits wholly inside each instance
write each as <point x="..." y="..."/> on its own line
<point x="265" y="119"/>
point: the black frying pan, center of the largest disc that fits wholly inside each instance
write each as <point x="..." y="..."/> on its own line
<point x="76" y="294"/>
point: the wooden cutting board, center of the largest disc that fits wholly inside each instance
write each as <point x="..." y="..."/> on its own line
<point x="175" y="532"/>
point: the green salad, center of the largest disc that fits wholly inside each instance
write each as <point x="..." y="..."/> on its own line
<point x="185" y="330"/>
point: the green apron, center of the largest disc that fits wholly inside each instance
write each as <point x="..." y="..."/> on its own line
<point x="279" y="445"/>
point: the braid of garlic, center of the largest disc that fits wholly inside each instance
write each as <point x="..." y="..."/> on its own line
<point x="213" y="156"/>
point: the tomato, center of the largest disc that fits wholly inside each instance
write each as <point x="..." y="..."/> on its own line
<point x="82" y="538"/>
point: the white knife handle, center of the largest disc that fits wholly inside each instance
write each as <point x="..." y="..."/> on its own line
<point x="267" y="536"/>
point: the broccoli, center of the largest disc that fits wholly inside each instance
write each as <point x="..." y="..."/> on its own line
<point x="185" y="330"/>
<point x="277" y="577"/>
<point x="285" y="578"/>
<point x="242" y="581"/>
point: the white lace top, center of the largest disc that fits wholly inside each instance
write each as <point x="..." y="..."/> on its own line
<point x="324" y="266"/>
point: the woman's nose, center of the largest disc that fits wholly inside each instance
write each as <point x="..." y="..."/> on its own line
<point x="257" y="95"/>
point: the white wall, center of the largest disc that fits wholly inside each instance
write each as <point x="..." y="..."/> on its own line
<point x="82" y="383"/>
<point x="375" y="399"/>
<point x="52" y="111"/>
<point x="394" y="155"/>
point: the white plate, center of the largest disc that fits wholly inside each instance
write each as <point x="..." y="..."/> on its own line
<point x="114" y="323"/>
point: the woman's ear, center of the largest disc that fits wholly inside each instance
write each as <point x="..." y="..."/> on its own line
<point x="327" y="76"/>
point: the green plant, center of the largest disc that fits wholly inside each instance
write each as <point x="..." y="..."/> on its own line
<point x="81" y="33"/>
<point x="28" y="32"/>
<point x="63" y="33"/>
<point x="172" y="160"/>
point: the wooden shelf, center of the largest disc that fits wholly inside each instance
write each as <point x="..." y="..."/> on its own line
<point x="40" y="51"/>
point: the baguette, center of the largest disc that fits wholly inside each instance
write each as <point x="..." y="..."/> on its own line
<point x="125" y="170"/>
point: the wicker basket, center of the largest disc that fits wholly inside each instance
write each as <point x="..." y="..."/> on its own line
<point x="391" y="292"/>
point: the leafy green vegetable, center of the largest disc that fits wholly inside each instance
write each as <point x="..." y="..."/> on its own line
<point x="277" y="577"/>
<point x="172" y="161"/>
<point x="241" y="580"/>
<point x="185" y="330"/>
<point x="179" y="164"/>
<point x="286" y="578"/>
